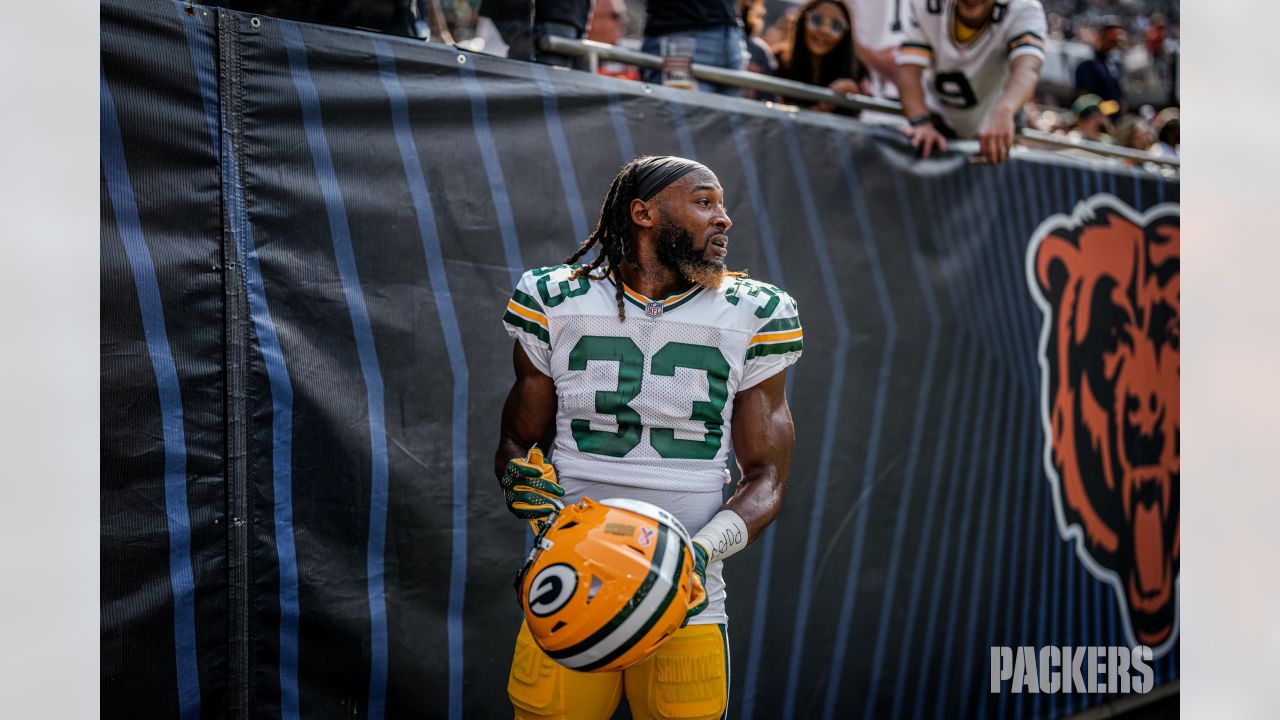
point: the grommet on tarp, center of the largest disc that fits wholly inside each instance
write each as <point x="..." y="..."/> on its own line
<point x="255" y="22"/>
<point x="462" y="59"/>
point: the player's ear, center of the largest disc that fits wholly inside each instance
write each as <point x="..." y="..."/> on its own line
<point x="643" y="214"/>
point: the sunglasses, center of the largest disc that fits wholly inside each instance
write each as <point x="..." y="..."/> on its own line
<point x="820" y="22"/>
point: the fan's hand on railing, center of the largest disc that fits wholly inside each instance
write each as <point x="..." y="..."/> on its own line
<point x="995" y="137"/>
<point x="924" y="138"/>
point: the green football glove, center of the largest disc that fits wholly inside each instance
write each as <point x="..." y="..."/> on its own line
<point x="531" y="489"/>
<point x="699" y="599"/>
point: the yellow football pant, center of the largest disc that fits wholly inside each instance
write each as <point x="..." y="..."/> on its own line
<point x="687" y="679"/>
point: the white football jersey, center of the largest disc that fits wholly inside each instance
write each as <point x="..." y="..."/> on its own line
<point x="963" y="81"/>
<point x="878" y="24"/>
<point x="649" y="402"/>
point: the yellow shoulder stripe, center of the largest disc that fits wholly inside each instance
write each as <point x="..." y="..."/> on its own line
<point x="526" y="313"/>
<point x="777" y="336"/>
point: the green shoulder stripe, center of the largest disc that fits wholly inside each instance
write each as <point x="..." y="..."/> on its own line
<point x="527" y="300"/>
<point x="775" y="349"/>
<point x="528" y="326"/>
<point x="790" y="323"/>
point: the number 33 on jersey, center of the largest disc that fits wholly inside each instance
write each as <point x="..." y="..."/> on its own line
<point x="649" y="402"/>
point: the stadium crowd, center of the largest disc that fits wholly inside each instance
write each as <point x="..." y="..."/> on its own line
<point x="1109" y="67"/>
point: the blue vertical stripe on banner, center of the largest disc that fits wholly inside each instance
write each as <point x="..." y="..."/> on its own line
<point x="996" y="268"/>
<point x="201" y="50"/>
<point x="863" y="504"/>
<point x="278" y="381"/>
<point x="759" y="616"/>
<point x="947" y="228"/>
<point x="1049" y="536"/>
<point x="773" y="261"/>
<point x="1000" y="325"/>
<point x="772" y="258"/>
<point x="925" y="384"/>
<point x="1064" y="202"/>
<point x="1061" y="634"/>
<point x="439" y="278"/>
<point x="973" y="316"/>
<point x="1084" y="624"/>
<point x="493" y="172"/>
<point x="1015" y="294"/>
<point x="830" y="422"/>
<point x="1033" y="546"/>
<point x="1116" y="636"/>
<point x="151" y="306"/>
<point x="969" y="220"/>
<point x="1090" y="591"/>
<point x="682" y="130"/>
<point x="998" y="278"/>
<point x="626" y="148"/>
<point x="938" y="228"/>
<point x="991" y="344"/>
<point x="971" y="559"/>
<point x="344" y="255"/>
<point x="1018" y="225"/>
<point x="1068" y="636"/>
<point x="917" y="577"/>
<point x="1031" y="214"/>
<point x="968" y="469"/>
<point x="564" y="160"/>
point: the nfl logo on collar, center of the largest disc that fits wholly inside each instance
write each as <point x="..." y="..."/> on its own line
<point x="653" y="309"/>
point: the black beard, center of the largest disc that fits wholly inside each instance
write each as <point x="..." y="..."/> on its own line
<point x="675" y="251"/>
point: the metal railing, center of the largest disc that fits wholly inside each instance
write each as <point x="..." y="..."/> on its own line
<point x="594" y="52"/>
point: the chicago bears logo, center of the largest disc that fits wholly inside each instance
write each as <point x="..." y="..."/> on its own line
<point x="1107" y="280"/>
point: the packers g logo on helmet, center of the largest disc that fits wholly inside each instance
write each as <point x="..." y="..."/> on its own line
<point x="607" y="584"/>
<point x="551" y="589"/>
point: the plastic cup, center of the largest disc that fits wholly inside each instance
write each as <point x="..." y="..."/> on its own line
<point x="677" y="57"/>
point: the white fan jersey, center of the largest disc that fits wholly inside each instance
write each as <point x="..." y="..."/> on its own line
<point x="963" y="81"/>
<point x="649" y="402"/>
<point x="878" y="24"/>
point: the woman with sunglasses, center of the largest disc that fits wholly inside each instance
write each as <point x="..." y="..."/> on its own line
<point x="822" y="52"/>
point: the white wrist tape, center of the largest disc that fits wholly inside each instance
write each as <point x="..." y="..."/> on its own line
<point x="725" y="535"/>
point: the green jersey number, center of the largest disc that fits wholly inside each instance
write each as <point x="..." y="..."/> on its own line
<point x="630" y="377"/>
<point x="754" y="289"/>
<point x="610" y="402"/>
<point x="696" y="357"/>
<point x="566" y="289"/>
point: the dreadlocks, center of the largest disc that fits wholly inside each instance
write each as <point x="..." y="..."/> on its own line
<point x="612" y="233"/>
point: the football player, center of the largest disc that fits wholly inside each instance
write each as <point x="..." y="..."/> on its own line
<point x="642" y="368"/>
<point x="965" y="69"/>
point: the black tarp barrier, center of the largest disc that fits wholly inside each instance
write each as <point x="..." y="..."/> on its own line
<point x="308" y="237"/>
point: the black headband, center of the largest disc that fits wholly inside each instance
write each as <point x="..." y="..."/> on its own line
<point x="658" y="171"/>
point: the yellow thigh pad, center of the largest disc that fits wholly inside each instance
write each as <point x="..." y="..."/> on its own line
<point x="687" y="679"/>
<point x="542" y="689"/>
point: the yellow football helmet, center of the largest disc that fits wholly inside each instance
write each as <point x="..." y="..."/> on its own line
<point x="608" y="583"/>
